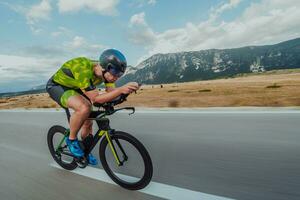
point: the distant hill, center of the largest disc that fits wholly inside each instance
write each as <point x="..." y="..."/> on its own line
<point x="214" y="63"/>
<point x="206" y="64"/>
<point x="39" y="87"/>
<point x="11" y="94"/>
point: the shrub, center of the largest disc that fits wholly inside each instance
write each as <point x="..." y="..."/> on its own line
<point x="173" y="103"/>
<point x="273" y="86"/>
<point x="173" y="90"/>
<point x="3" y="101"/>
<point x="45" y="106"/>
<point x="205" y="90"/>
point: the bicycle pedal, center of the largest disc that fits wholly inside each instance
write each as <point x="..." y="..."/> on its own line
<point x="81" y="162"/>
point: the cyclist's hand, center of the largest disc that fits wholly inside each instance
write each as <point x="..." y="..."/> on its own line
<point x="129" y="88"/>
<point x="135" y="84"/>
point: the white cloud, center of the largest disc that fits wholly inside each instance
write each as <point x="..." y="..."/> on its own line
<point x="265" y="22"/>
<point x="35" y="29"/>
<point x="142" y="3"/>
<point x="80" y="45"/>
<point x="61" y="31"/>
<point x="78" y="42"/>
<point x="72" y="47"/>
<point x="151" y="2"/>
<point x="39" y="12"/>
<point x="138" y="19"/>
<point x="15" y="7"/>
<point x="216" y="12"/>
<point x="227" y="6"/>
<point x="142" y="34"/>
<point x="35" y="64"/>
<point x="104" y="7"/>
<point x="19" y="68"/>
<point x="22" y="73"/>
<point x="33" y="14"/>
<point x="56" y="33"/>
<point x="43" y="51"/>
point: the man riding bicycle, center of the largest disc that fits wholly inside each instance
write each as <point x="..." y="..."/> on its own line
<point x="74" y="86"/>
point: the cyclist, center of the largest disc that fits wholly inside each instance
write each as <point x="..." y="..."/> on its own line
<point x="74" y="86"/>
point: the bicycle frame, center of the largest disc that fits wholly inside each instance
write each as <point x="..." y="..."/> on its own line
<point x="103" y="131"/>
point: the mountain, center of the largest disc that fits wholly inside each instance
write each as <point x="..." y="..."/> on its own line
<point x="206" y="64"/>
<point x="214" y="63"/>
<point x="12" y="94"/>
<point x="39" y="87"/>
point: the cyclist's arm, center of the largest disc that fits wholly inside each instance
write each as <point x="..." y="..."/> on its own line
<point x="110" y="87"/>
<point x="96" y="97"/>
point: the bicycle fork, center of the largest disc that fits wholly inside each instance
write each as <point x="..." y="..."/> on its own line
<point x="112" y="147"/>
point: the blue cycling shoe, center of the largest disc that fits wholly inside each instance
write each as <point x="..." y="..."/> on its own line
<point x="92" y="160"/>
<point x="74" y="147"/>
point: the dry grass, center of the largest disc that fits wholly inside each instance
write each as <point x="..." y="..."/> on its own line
<point x="28" y="101"/>
<point x="273" y="89"/>
<point x="259" y="90"/>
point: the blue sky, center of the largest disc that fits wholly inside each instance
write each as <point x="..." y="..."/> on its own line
<point x="37" y="36"/>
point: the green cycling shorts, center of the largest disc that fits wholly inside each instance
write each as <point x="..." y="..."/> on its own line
<point x="60" y="93"/>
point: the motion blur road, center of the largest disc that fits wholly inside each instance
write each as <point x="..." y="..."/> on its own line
<point x="241" y="153"/>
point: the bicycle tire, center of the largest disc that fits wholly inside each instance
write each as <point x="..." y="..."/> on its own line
<point x="148" y="171"/>
<point x="52" y="131"/>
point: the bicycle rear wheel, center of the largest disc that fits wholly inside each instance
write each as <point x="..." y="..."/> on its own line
<point x="137" y="164"/>
<point x="56" y="143"/>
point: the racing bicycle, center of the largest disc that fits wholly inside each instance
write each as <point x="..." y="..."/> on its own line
<point x="120" y="153"/>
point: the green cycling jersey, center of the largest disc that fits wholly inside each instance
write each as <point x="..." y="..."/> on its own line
<point x="78" y="73"/>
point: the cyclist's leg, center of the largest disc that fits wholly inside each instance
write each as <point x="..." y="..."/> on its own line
<point x="82" y="109"/>
<point x="68" y="97"/>
<point x="87" y="139"/>
<point x="87" y="128"/>
<point x="55" y="90"/>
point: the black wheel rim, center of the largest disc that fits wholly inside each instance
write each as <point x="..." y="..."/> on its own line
<point x="133" y="167"/>
<point x="62" y="159"/>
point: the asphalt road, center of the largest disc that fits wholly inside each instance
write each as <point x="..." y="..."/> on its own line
<point x="234" y="153"/>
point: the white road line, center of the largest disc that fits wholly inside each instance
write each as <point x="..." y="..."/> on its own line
<point x="156" y="189"/>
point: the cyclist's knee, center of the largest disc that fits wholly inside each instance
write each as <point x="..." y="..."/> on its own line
<point x="80" y="105"/>
<point x="87" y="123"/>
<point x="84" y="108"/>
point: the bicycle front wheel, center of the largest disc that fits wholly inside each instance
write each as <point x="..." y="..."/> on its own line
<point x="56" y="143"/>
<point x="136" y="162"/>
